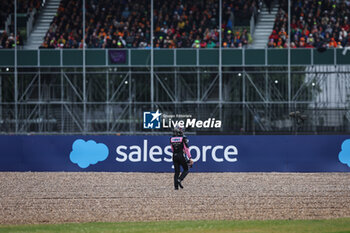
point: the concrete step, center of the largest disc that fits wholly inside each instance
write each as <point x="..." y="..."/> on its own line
<point x="53" y="3"/>
<point x="42" y="27"/>
<point x="49" y="14"/>
<point x="265" y="10"/>
<point x="40" y="23"/>
<point x="267" y="20"/>
<point x="259" y="41"/>
<point x="264" y="28"/>
<point x="256" y="41"/>
<point x="40" y="32"/>
<point x="272" y="7"/>
<point x="267" y="13"/>
<point x="33" y="46"/>
<point x="267" y="17"/>
<point x="36" y="34"/>
<point x="267" y="27"/>
<point x="54" y="12"/>
<point x="36" y="38"/>
<point x="35" y="42"/>
<point x="264" y="24"/>
<point x="46" y="20"/>
<point x="262" y="32"/>
<point x="43" y="24"/>
<point x="51" y="10"/>
<point x="257" y="34"/>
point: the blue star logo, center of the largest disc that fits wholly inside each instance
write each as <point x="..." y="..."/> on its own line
<point x="151" y="120"/>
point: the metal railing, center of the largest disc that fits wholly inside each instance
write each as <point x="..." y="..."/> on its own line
<point x="173" y="57"/>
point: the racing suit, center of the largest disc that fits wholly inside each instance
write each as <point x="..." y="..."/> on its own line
<point x="181" y="156"/>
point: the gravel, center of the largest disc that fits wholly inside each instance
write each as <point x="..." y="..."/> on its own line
<point x="57" y="197"/>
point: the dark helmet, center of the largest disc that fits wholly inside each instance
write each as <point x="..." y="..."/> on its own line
<point x="178" y="131"/>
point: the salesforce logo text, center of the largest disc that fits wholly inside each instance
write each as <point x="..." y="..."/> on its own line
<point x="135" y="153"/>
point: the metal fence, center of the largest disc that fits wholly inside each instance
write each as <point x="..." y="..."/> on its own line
<point x="110" y="100"/>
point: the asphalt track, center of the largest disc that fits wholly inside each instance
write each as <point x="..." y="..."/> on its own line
<point x="56" y="197"/>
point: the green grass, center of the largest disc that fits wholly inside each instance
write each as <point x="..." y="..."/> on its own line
<point x="281" y="226"/>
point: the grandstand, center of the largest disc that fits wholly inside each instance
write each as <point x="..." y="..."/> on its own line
<point x="27" y="12"/>
<point x="314" y="24"/>
<point x="230" y="61"/>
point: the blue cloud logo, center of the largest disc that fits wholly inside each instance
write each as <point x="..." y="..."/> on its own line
<point x="87" y="153"/>
<point x="344" y="155"/>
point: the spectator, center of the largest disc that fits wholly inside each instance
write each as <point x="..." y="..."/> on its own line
<point x="8" y="41"/>
<point x="126" y="24"/>
<point x="314" y="24"/>
<point x="7" y="8"/>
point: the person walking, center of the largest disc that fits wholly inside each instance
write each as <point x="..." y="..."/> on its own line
<point x="181" y="156"/>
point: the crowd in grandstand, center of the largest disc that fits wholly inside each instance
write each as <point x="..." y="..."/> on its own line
<point x="185" y="24"/>
<point x="126" y="23"/>
<point x="314" y="24"/>
<point x="7" y="8"/>
<point x="8" y="41"/>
